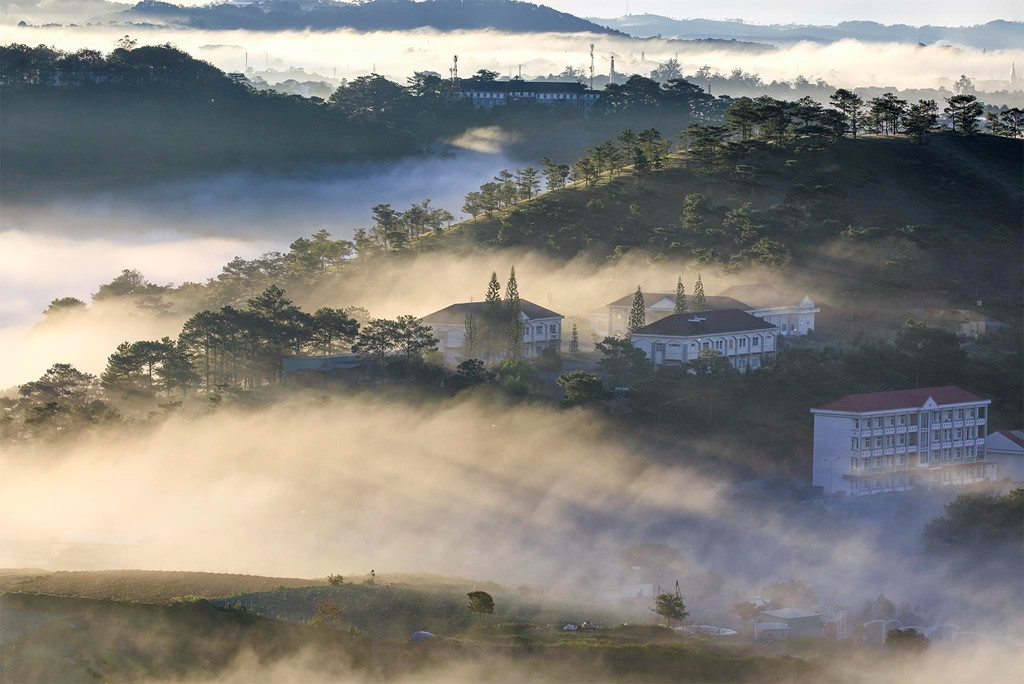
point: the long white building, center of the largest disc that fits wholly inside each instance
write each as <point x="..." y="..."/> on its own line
<point x="542" y="328"/>
<point x="894" y="441"/>
<point x="744" y="339"/>
<point x="791" y="315"/>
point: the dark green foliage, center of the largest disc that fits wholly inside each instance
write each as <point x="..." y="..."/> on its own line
<point x="699" y="299"/>
<point x="680" y="303"/>
<point x="963" y="111"/>
<point x="979" y="522"/>
<point x="469" y="373"/>
<point x="622" y="363"/>
<point x="671" y="607"/>
<point x="63" y="306"/>
<point x="580" y="387"/>
<point x="906" y="640"/>
<point x="480" y="602"/>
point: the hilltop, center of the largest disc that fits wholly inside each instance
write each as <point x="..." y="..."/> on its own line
<point x="375" y="15"/>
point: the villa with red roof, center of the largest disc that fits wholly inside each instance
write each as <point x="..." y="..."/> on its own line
<point x="1005" y="448"/>
<point x="895" y="441"/>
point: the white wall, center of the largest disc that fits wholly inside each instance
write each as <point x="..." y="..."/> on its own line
<point x="831" y="440"/>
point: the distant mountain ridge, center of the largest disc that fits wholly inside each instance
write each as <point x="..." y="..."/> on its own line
<point x="995" y="35"/>
<point x="375" y="15"/>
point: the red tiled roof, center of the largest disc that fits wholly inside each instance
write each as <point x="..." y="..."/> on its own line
<point x="912" y="398"/>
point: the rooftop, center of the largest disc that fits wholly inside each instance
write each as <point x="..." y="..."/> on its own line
<point x="712" y="303"/>
<point x="456" y="313"/>
<point x="789" y="613"/>
<point x="900" y="399"/>
<point x="1015" y="437"/>
<point x="716" y="322"/>
<point x="517" y="86"/>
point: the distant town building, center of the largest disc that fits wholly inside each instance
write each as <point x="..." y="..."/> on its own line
<point x="791" y="315"/>
<point x="675" y="340"/>
<point x="801" y="623"/>
<point x="1005" y="449"/>
<point x="893" y="441"/>
<point x="542" y="328"/>
<point x="495" y="93"/>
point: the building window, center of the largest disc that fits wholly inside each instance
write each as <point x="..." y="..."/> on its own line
<point x="903" y="420"/>
<point x="949" y="414"/>
<point x="743" y="342"/>
<point x="878" y="442"/>
<point x="756" y="341"/>
<point x="853" y="463"/>
<point x="718" y="344"/>
<point x="731" y="343"/>
<point x="707" y="345"/>
<point x="892" y="421"/>
<point x="540" y="329"/>
<point x="924" y="457"/>
<point x="959" y="414"/>
<point x="856" y="421"/>
<point x="970" y="413"/>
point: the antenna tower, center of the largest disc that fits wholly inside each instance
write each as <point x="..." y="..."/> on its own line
<point x="455" y="69"/>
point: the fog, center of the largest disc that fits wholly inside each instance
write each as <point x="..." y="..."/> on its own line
<point x="416" y="285"/>
<point x="471" y="487"/>
<point x="398" y="54"/>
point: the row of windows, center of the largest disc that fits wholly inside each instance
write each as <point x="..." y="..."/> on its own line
<point x="954" y="433"/>
<point x="857" y="444"/>
<point x="889" y="461"/>
<point x="541" y="96"/>
<point x="539" y="329"/>
<point x="964" y="454"/>
<point x="904" y="419"/>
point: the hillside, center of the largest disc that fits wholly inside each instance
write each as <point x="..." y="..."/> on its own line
<point x="875" y="213"/>
<point x="375" y="15"/>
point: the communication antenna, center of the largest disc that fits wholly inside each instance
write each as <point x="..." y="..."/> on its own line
<point x="454" y="71"/>
<point x="520" y="72"/>
<point x="611" y="73"/>
<point x="591" y="66"/>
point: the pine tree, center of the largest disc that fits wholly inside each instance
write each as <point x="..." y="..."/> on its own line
<point x="513" y="309"/>
<point x="680" y="297"/>
<point x="492" y="320"/>
<point x="574" y="342"/>
<point x="638" y="313"/>
<point x="698" y="294"/>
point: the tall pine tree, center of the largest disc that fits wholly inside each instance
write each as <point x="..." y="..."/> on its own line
<point x="513" y="309"/>
<point x="491" y="328"/>
<point x="574" y="342"/>
<point x="680" y="297"/>
<point x="698" y="295"/>
<point x="638" y="313"/>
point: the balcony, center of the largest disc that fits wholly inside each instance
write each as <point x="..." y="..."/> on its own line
<point x="980" y="421"/>
<point x="958" y="423"/>
<point x="901" y="430"/>
<point x="911" y="428"/>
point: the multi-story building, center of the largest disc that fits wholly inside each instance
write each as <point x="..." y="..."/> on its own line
<point x="746" y="340"/>
<point x="894" y="441"/>
<point x="790" y="315"/>
<point x="542" y="328"/>
<point x="496" y="93"/>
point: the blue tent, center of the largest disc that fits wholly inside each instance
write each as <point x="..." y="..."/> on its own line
<point x="420" y="637"/>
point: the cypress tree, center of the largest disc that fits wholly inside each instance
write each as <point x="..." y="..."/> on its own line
<point x="698" y="295"/>
<point x="680" y="297"/>
<point x="574" y="342"/>
<point x="513" y="310"/>
<point x="638" y="313"/>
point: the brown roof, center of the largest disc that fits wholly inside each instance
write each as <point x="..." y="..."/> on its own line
<point x="899" y="399"/>
<point x="715" y="323"/>
<point x="456" y="313"/>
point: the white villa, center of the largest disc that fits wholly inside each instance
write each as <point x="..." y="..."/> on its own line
<point x="541" y="328"/>
<point x="790" y="316"/>
<point x="894" y="441"/>
<point x="744" y="339"/>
